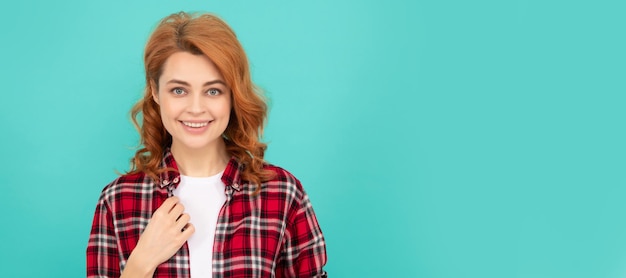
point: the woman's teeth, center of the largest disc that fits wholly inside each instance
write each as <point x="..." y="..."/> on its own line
<point x="195" y="124"/>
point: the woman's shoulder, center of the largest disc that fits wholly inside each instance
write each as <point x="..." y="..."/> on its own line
<point x="280" y="174"/>
<point x="129" y="183"/>
<point x="283" y="179"/>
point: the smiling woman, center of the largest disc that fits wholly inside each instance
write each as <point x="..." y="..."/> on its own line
<point x="200" y="201"/>
<point x="195" y="108"/>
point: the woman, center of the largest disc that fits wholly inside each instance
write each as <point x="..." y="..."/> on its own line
<point x="199" y="200"/>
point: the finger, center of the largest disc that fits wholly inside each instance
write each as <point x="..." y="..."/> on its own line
<point x="182" y="222"/>
<point x="188" y="230"/>
<point x="169" y="203"/>
<point x="177" y="210"/>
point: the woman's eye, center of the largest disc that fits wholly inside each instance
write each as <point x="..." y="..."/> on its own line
<point x="213" y="92"/>
<point x="178" y="91"/>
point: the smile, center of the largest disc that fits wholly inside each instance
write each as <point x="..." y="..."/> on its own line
<point x="195" y="125"/>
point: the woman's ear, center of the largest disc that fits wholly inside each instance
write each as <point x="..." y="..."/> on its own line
<point x="154" y="92"/>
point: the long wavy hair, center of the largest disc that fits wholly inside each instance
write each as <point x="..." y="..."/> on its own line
<point x="208" y="35"/>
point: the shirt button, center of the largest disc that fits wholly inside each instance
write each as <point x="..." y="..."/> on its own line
<point x="236" y="186"/>
<point x="166" y="182"/>
<point x="175" y="179"/>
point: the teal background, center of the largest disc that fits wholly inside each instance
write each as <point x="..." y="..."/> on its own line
<point x="435" y="138"/>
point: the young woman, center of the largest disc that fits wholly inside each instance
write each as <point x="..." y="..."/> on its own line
<point x="200" y="201"/>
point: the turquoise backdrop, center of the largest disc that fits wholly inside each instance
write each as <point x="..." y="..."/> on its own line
<point x="436" y="139"/>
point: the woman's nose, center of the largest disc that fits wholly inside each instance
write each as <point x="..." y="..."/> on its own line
<point x="195" y="104"/>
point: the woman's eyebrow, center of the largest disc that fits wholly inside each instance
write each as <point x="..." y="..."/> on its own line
<point x="176" y="81"/>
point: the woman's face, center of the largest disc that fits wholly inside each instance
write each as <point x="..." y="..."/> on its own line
<point x="194" y="100"/>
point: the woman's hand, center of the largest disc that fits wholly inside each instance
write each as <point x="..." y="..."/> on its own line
<point x="166" y="232"/>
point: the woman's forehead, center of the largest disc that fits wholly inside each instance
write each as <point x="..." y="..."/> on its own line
<point x="189" y="68"/>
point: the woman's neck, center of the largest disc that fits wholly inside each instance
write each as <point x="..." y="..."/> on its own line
<point x="201" y="162"/>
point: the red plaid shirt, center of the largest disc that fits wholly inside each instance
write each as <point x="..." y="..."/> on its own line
<point x="274" y="234"/>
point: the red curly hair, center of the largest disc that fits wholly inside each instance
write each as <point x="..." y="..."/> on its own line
<point x="207" y="35"/>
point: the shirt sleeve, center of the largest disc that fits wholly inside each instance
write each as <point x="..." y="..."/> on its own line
<point x="304" y="250"/>
<point x="102" y="249"/>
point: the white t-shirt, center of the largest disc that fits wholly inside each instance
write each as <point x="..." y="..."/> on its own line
<point x="203" y="198"/>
